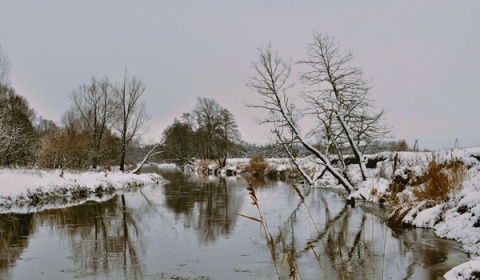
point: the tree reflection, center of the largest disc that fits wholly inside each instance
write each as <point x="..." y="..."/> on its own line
<point x="104" y="237"/>
<point x="14" y="230"/>
<point x="350" y="243"/>
<point x="205" y="203"/>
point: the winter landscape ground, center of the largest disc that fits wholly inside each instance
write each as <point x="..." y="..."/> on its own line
<point x="399" y="180"/>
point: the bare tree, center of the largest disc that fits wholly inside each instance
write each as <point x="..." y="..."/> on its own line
<point x="208" y="132"/>
<point x="17" y="134"/>
<point x="94" y="105"/>
<point x="179" y="144"/>
<point x="5" y="67"/>
<point x="207" y="116"/>
<point x="271" y="82"/>
<point x="131" y="113"/>
<point x="227" y="137"/>
<point x="340" y="98"/>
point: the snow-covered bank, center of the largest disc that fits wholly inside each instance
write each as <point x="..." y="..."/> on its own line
<point x="455" y="217"/>
<point x="22" y="190"/>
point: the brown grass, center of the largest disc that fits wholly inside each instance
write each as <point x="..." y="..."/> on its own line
<point x="440" y="180"/>
<point x="257" y="165"/>
<point x="205" y="163"/>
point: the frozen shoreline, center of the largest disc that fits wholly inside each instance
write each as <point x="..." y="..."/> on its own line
<point x="30" y="190"/>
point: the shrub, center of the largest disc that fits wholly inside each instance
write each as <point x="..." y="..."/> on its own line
<point x="257" y="165"/>
<point x="440" y="180"/>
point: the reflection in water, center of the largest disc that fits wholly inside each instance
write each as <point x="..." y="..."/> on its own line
<point x="13" y="232"/>
<point x="189" y="228"/>
<point x="209" y="204"/>
<point x="355" y="244"/>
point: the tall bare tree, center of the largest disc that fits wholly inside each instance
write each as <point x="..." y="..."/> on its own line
<point x="215" y="128"/>
<point x="340" y="98"/>
<point x="130" y="111"/>
<point x="271" y="82"/>
<point x="94" y="105"/>
<point x="206" y="114"/>
<point x="227" y="137"/>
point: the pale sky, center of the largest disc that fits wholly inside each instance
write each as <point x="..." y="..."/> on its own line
<point x="423" y="56"/>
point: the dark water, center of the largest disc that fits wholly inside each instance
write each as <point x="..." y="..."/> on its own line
<point x="190" y="229"/>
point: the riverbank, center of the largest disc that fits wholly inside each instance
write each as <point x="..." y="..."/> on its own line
<point x="436" y="190"/>
<point x="27" y="190"/>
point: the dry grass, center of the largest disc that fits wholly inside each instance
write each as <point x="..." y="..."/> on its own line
<point x="203" y="164"/>
<point x="257" y="165"/>
<point x="437" y="183"/>
<point x="440" y="180"/>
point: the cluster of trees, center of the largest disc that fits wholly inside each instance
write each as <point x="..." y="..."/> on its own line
<point x="98" y="129"/>
<point x="105" y="119"/>
<point x="336" y="97"/>
<point x="100" y="126"/>
<point x="209" y="131"/>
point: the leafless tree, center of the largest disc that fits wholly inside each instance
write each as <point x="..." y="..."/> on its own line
<point x="207" y="116"/>
<point x="131" y="113"/>
<point x="179" y="144"/>
<point x="5" y="67"/>
<point x="207" y="132"/>
<point x="94" y="105"/>
<point x="17" y="134"/>
<point x="227" y="136"/>
<point x="271" y="82"/>
<point x="339" y="96"/>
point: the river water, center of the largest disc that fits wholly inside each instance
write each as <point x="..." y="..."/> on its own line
<point x="190" y="228"/>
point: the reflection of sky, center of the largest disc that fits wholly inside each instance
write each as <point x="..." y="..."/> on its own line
<point x="46" y="257"/>
<point x="173" y="244"/>
<point x="422" y="56"/>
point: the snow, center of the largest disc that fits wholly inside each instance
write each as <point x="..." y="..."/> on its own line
<point x="26" y="190"/>
<point x="468" y="270"/>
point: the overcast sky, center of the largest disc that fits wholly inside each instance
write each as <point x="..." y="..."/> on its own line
<point x="423" y="56"/>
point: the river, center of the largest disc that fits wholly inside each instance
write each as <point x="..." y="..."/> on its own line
<point x="190" y="228"/>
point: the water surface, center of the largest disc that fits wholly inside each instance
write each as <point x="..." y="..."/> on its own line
<point x="189" y="228"/>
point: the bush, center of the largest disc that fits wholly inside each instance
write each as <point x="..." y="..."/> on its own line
<point x="440" y="180"/>
<point x="257" y="165"/>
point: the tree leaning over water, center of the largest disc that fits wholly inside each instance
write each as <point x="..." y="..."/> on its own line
<point x="337" y="97"/>
<point x="271" y="82"/>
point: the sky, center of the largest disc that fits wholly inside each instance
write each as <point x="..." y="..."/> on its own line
<point x="422" y="56"/>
